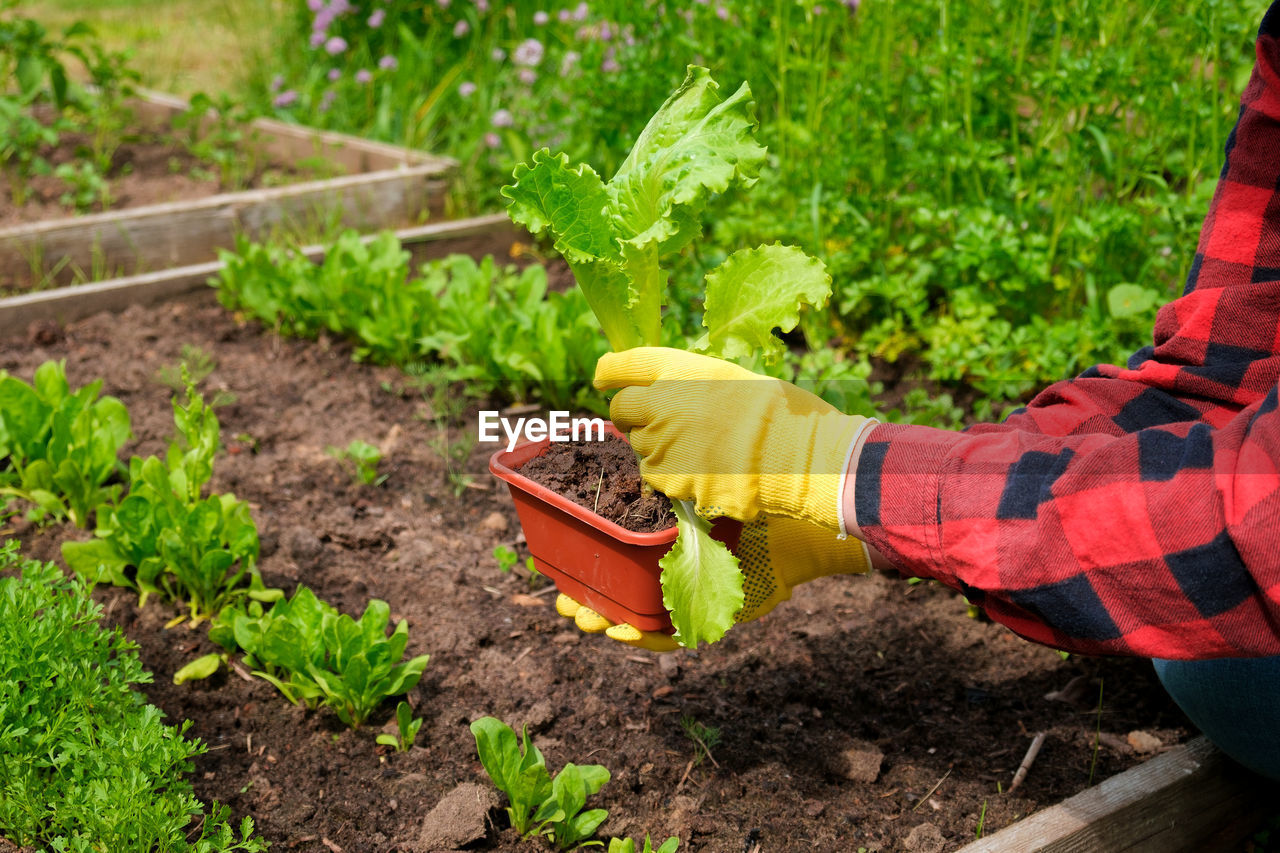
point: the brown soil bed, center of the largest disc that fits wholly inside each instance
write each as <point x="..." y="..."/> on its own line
<point x="603" y="477"/>
<point x="852" y="715"/>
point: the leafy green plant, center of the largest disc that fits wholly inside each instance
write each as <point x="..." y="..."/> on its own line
<point x="704" y="737"/>
<point x="406" y="729"/>
<point x="87" y="764"/>
<point x="166" y="537"/>
<point x="58" y="448"/>
<point x="315" y="655"/>
<point x="626" y="845"/>
<point x="615" y="238"/>
<point x="540" y="804"/>
<point x="364" y="458"/>
<point x="506" y="558"/>
<point x="492" y="328"/>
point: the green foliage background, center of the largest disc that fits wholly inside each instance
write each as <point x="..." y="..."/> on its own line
<point x="979" y="177"/>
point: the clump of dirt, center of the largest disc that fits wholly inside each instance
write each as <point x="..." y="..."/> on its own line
<point x="603" y="477"/>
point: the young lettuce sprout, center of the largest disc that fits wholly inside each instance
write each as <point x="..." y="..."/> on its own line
<point x="616" y="237"/>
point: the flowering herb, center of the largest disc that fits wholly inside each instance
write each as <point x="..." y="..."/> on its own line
<point x="615" y="237"/>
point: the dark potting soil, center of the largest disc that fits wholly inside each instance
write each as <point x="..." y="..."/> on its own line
<point x="851" y="716"/>
<point x="603" y="477"/>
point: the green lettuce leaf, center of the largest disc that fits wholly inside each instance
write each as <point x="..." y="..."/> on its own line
<point x="755" y="291"/>
<point x="701" y="583"/>
<point x="615" y="236"/>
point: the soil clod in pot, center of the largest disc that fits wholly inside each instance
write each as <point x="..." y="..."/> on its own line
<point x="603" y="477"/>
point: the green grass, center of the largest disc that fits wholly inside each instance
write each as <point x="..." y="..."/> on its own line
<point x="179" y="46"/>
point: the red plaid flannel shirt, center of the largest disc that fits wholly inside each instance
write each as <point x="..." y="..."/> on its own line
<point x="1130" y="510"/>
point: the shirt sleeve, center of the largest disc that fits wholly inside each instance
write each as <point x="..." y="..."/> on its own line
<point x="1132" y="510"/>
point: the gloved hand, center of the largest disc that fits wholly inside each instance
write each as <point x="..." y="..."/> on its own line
<point x="736" y="443"/>
<point x="774" y="553"/>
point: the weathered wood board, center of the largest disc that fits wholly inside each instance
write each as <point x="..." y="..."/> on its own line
<point x="1192" y="799"/>
<point x="385" y="187"/>
<point x="65" y="304"/>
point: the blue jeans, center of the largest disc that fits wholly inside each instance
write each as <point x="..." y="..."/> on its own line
<point x="1235" y="702"/>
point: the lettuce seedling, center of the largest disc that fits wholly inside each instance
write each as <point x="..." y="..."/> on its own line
<point x="626" y="845"/>
<point x="58" y="448"/>
<point x="616" y="236"/>
<point x="315" y="655"/>
<point x="406" y="729"/>
<point x="365" y="458"/>
<point x="166" y="537"/>
<point x="540" y="805"/>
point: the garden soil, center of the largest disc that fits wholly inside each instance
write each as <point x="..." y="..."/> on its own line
<point x="865" y="713"/>
<point x="146" y="169"/>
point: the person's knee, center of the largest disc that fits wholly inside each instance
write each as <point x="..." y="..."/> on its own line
<point x="1235" y="702"/>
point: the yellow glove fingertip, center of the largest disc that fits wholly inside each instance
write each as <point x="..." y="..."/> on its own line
<point x="649" y="640"/>
<point x="590" y="622"/>
<point x="566" y="606"/>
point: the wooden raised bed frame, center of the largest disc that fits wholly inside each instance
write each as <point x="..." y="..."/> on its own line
<point x="385" y="186"/>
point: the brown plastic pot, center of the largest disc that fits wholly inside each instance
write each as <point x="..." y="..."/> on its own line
<point x="608" y="568"/>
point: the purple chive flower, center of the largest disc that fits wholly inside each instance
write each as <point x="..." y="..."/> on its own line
<point x="317" y="39"/>
<point x="606" y="32"/>
<point x="497" y="54"/>
<point x="564" y="16"/>
<point x="482" y="6"/>
<point x="443" y="4"/>
<point x="541" y="18"/>
<point x="376" y="19"/>
<point x="502" y="118"/>
<point x="339" y="7"/>
<point x="569" y="60"/>
<point x="326" y="100"/>
<point x="315" y="5"/>
<point x="527" y="76"/>
<point x="466" y="89"/>
<point x="610" y="64"/>
<point x="388" y="63"/>
<point x="335" y="45"/>
<point x="333" y="75"/>
<point x="276" y="82"/>
<point x="492" y="139"/>
<point x="286" y="98"/>
<point x="722" y="13"/>
<point x="528" y="53"/>
<point x="364" y="75"/>
<point x="580" y="13"/>
<point x="461" y="28"/>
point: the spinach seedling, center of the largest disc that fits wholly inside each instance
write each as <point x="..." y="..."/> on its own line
<point x="615" y="238"/>
<point x="365" y="458"/>
<point x="540" y="805"/>
<point x="626" y="845"/>
<point x="406" y="729"/>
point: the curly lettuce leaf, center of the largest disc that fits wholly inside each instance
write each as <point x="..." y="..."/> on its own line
<point x="615" y="236"/>
<point x="755" y="291"/>
<point x="701" y="582"/>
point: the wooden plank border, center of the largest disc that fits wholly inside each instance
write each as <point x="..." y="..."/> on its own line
<point x="66" y="304"/>
<point x="1188" y="800"/>
<point x="388" y="187"/>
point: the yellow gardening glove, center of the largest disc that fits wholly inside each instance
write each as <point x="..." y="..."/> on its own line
<point x="775" y="554"/>
<point x="736" y="443"/>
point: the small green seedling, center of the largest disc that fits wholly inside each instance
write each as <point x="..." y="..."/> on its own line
<point x="365" y="457"/>
<point x="506" y="558"/>
<point x="540" y="805"/>
<point x="315" y="655"/>
<point x="407" y="728"/>
<point x="626" y="845"/>
<point x="704" y="737"/>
